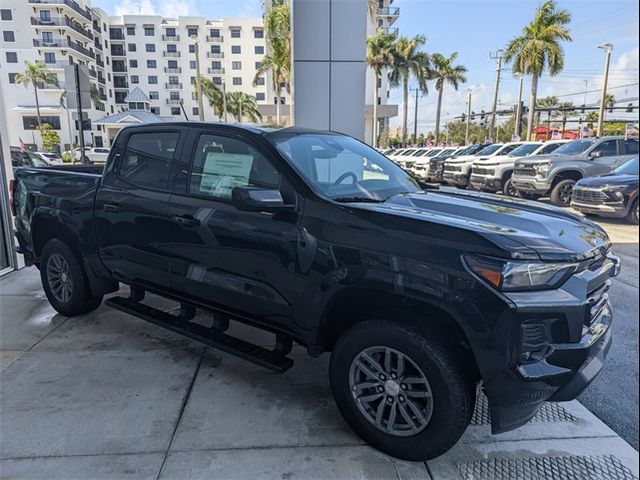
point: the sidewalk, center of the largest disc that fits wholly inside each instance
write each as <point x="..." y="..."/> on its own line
<point x="109" y="396"/>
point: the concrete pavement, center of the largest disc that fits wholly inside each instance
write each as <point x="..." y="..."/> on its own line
<point x="109" y="396"/>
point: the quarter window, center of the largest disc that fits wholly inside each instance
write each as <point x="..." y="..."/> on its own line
<point x="223" y="163"/>
<point x="147" y="159"/>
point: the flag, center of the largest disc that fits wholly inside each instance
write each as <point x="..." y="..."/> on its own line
<point x="555" y="135"/>
<point x="515" y="138"/>
<point x="23" y="147"/>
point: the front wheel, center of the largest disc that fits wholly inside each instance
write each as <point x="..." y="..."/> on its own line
<point x="64" y="280"/>
<point x="632" y="216"/>
<point x="562" y="192"/>
<point x="401" y="391"/>
<point x="508" y="189"/>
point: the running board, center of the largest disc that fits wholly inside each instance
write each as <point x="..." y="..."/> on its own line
<point x="274" y="360"/>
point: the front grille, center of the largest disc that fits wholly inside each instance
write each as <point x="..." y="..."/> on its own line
<point x="589" y="196"/>
<point x="451" y="168"/>
<point x="597" y="301"/>
<point x="524" y="172"/>
<point x="483" y="171"/>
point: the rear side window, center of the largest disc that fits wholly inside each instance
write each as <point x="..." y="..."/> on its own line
<point x="608" y="148"/>
<point x="549" y="148"/>
<point x="631" y="147"/>
<point x="147" y="159"/>
<point x="222" y="163"/>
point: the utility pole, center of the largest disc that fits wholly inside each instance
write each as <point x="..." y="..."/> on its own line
<point x="519" y="105"/>
<point x="497" y="56"/>
<point x="466" y="135"/>
<point x="198" y="82"/>
<point x="224" y="100"/>
<point x="415" y="121"/>
<point x="76" y="72"/>
<point x="607" y="47"/>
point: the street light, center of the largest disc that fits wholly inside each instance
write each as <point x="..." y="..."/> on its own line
<point x="607" y="47"/>
<point x="198" y="83"/>
<point x="520" y="78"/>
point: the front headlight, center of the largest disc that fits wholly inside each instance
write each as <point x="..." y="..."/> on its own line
<point x="542" y="168"/>
<point x="516" y="276"/>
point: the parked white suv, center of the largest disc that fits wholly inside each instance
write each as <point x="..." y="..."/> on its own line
<point x="458" y="170"/>
<point x="93" y="154"/>
<point x="493" y="174"/>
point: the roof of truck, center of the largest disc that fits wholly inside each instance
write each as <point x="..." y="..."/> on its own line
<point x="257" y="129"/>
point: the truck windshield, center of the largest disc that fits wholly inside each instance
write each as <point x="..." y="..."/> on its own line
<point x="490" y="149"/>
<point x="574" y="148"/>
<point x="524" y="150"/>
<point x="343" y="168"/>
<point x="628" y="168"/>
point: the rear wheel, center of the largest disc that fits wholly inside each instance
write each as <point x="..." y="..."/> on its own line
<point x="632" y="216"/>
<point x="562" y="192"/>
<point x="400" y="390"/>
<point x="64" y="280"/>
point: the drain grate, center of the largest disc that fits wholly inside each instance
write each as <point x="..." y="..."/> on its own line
<point x="549" y="412"/>
<point x="572" y="467"/>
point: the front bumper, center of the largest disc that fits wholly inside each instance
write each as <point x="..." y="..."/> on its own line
<point x="488" y="184"/>
<point x="530" y="184"/>
<point x="618" y="210"/>
<point x="569" y="333"/>
<point x="455" y="178"/>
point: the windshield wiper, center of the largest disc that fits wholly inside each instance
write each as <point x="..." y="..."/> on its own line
<point x="358" y="199"/>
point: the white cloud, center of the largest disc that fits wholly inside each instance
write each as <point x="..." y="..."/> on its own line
<point x="135" y="7"/>
<point x="174" y="8"/>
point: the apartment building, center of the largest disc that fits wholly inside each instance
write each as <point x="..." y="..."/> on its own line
<point x="57" y="33"/>
<point x="155" y="54"/>
<point x="385" y="17"/>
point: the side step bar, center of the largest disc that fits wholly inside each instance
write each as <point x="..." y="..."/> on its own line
<point x="274" y="360"/>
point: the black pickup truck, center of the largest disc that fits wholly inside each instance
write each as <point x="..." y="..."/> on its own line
<point x="419" y="295"/>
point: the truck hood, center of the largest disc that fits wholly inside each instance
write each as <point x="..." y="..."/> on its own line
<point x="520" y="228"/>
<point x="462" y="159"/>
<point x="496" y="160"/>
<point x="549" y="158"/>
<point x="609" y="180"/>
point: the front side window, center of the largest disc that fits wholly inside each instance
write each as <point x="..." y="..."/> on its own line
<point x="607" y="149"/>
<point x="551" y="147"/>
<point x="236" y="65"/>
<point x="153" y="79"/>
<point x="131" y="31"/>
<point x="222" y="163"/>
<point x="49" y="57"/>
<point x="343" y="168"/>
<point x="147" y="159"/>
<point x="490" y="149"/>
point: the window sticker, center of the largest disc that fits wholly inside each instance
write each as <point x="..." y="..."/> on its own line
<point x="224" y="171"/>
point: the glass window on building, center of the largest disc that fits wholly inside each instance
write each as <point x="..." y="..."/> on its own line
<point x="192" y="49"/>
<point x="237" y="80"/>
<point x="258" y="65"/>
<point x="236" y="65"/>
<point x="154" y="95"/>
<point x="172" y="48"/>
<point x="258" y="50"/>
<point x="260" y="96"/>
<point x="171" y="32"/>
<point x="258" y="33"/>
<point x="31" y="122"/>
<point x="192" y="64"/>
<point x="12" y="78"/>
<point x="192" y="32"/>
<point x="131" y="31"/>
<point x="5" y="14"/>
<point x="133" y="63"/>
<point x="172" y="64"/>
<point x="45" y="15"/>
<point x="135" y="79"/>
<point x="195" y="111"/>
<point x="149" y="32"/>
<point x="12" y="57"/>
<point x="151" y="64"/>
<point x="217" y="80"/>
<point x="155" y="110"/>
<point x="259" y="81"/>
<point x="236" y="49"/>
<point x="174" y="95"/>
<point x="131" y="47"/>
<point x="8" y="36"/>
<point x="214" y="32"/>
<point x="173" y="80"/>
<point x="216" y="65"/>
<point x="150" y="47"/>
<point x="49" y="57"/>
<point x="153" y="79"/>
<point x="175" y="111"/>
<point x="215" y="48"/>
<point x="235" y="33"/>
<point x="47" y="37"/>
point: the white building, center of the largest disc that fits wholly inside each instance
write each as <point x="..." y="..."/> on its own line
<point x="386" y="16"/>
<point x="153" y="53"/>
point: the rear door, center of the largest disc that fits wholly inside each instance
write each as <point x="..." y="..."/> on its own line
<point x="133" y="224"/>
<point x="242" y="261"/>
<point x="610" y="152"/>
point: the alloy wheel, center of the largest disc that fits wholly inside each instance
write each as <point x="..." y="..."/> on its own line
<point x="391" y="391"/>
<point x="59" y="278"/>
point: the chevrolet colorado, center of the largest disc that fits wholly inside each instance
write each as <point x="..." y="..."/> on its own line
<point x="419" y="295"/>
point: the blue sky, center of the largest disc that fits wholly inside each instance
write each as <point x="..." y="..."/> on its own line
<point x="474" y="28"/>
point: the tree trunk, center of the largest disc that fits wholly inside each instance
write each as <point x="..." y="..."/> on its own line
<point x="405" y="109"/>
<point x="374" y="133"/>
<point x="549" y="125"/>
<point x="278" y="104"/>
<point x="438" y="108"/>
<point x="532" y="105"/>
<point x="35" y="90"/>
<point x="240" y="112"/>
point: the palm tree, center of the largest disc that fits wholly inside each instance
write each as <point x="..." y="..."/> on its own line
<point x="36" y="74"/>
<point x="277" y="24"/>
<point x="379" y="56"/>
<point x="550" y="103"/>
<point x="408" y="62"/>
<point x="539" y="48"/>
<point x="242" y="105"/>
<point x="214" y="95"/>
<point x="444" y="71"/>
<point x="609" y="101"/>
<point x="567" y="110"/>
<point x="591" y="118"/>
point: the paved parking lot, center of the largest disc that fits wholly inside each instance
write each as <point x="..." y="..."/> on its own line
<point x="110" y="396"/>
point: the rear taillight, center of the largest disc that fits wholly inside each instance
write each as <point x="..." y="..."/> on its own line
<point x="11" y="204"/>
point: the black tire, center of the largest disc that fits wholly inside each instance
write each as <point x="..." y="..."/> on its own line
<point x="561" y="193"/>
<point x="632" y="216"/>
<point x="453" y="393"/>
<point x="528" y="196"/>
<point x="76" y="299"/>
<point x="508" y="189"/>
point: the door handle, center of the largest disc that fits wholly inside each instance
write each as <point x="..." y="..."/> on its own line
<point x="187" y="221"/>
<point x="112" y="207"/>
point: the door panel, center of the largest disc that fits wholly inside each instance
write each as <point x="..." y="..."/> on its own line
<point x="244" y="261"/>
<point x="132" y="209"/>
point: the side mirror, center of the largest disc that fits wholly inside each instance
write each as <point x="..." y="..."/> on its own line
<point x="257" y="199"/>
<point x="596" y="154"/>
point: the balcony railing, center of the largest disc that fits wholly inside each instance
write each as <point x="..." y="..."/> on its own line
<point x="173" y="101"/>
<point x="171" y="38"/>
<point x="97" y="44"/>
<point x="69" y="3"/>
<point x="56" y="65"/>
<point x="389" y="11"/>
<point x="117" y="52"/>
<point x="101" y="80"/>
<point x="391" y="30"/>
<point x="51" y="86"/>
<point x="215" y="39"/>
<point x="119" y="68"/>
<point x="61" y="22"/>
<point x="96" y="27"/>
<point x="215" y="54"/>
<point x="116" y="35"/>
<point x="100" y="63"/>
<point x="63" y="43"/>
<point x="93" y="73"/>
<point x="171" y="54"/>
<point x="173" y="86"/>
<point x="120" y="99"/>
<point x="172" y="70"/>
<point x="120" y="84"/>
<point x="215" y="71"/>
<point x="103" y="96"/>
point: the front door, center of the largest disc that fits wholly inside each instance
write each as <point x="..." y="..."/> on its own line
<point x="133" y="224"/>
<point x="243" y="261"/>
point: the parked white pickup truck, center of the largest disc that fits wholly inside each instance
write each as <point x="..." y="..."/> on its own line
<point x="493" y="174"/>
<point x="93" y="154"/>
